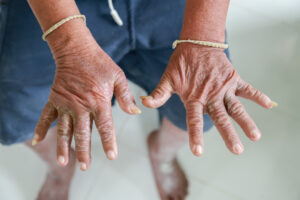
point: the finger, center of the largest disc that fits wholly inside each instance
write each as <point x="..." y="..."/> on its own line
<point x="237" y="111"/>
<point x="124" y="96"/>
<point x="64" y="138"/>
<point x="160" y="94"/>
<point x="249" y="92"/>
<point x="104" y="123"/>
<point x="222" y="122"/>
<point x="194" y="120"/>
<point x="49" y="115"/>
<point x="82" y="134"/>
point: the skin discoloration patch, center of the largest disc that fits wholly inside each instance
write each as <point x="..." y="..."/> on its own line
<point x="163" y="146"/>
<point x="206" y="81"/>
<point x="86" y="79"/>
<point x="166" y="168"/>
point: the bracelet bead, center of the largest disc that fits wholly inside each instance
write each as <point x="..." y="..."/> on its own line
<point x="61" y="22"/>
<point x="203" y="43"/>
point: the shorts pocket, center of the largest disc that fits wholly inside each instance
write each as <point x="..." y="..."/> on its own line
<point x="3" y="19"/>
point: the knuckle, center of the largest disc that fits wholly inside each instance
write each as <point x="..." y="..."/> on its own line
<point x="195" y="122"/>
<point x="120" y="76"/>
<point x="164" y="85"/>
<point x="63" y="130"/>
<point x="82" y="133"/>
<point x="63" y="141"/>
<point x="225" y="125"/>
<point x="235" y="109"/>
<point x="45" y="120"/>
<point x="159" y="91"/>
<point x="214" y="106"/>
<point x="82" y="140"/>
<point x="105" y="126"/>
<point x="82" y="145"/>
<point x="221" y="119"/>
<point x="107" y="137"/>
<point x="81" y="148"/>
<point x="166" y="78"/>
<point x="193" y="108"/>
<point x="49" y="108"/>
<point x="124" y="96"/>
<point x="195" y="133"/>
<point x="257" y="93"/>
<point x="251" y="91"/>
<point x="122" y="89"/>
<point x="210" y="109"/>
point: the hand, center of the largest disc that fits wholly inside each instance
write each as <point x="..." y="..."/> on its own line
<point x="85" y="81"/>
<point x="206" y="82"/>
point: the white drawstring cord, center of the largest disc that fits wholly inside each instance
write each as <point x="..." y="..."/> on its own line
<point x="114" y="13"/>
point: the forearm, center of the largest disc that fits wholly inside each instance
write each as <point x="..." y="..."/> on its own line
<point x="205" y="20"/>
<point x="50" y="12"/>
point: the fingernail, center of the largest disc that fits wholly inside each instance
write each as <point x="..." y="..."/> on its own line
<point x="255" y="135"/>
<point x="198" y="150"/>
<point x="237" y="148"/>
<point x="146" y="97"/>
<point x="274" y="104"/>
<point x="35" y="139"/>
<point x="135" y="109"/>
<point x="82" y="166"/>
<point x="111" y="155"/>
<point x="61" y="160"/>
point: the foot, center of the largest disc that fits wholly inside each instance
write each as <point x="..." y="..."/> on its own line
<point x="58" y="180"/>
<point x="170" y="179"/>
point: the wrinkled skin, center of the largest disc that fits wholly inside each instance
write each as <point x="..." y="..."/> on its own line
<point x="85" y="81"/>
<point x="206" y="82"/>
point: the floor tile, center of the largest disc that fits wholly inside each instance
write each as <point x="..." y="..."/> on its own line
<point x="128" y="177"/>
<point x="21" y="173"/>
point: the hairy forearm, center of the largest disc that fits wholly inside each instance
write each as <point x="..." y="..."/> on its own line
<point x="50" y="12"/>
<point x="205" y="20"/>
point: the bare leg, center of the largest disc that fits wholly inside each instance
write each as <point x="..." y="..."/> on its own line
<point x="58" y="179"/>
<point x="163" y="146"/>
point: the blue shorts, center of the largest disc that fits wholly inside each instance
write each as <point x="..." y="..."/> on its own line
<point x="141" y="47"/>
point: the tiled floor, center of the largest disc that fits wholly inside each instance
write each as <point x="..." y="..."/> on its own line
<point x="265" y="47"/>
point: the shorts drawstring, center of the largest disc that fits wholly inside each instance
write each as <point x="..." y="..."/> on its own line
<point x="114" y="13"/>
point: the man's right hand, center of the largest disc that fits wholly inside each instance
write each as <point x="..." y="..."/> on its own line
<point x="85" y="81"/>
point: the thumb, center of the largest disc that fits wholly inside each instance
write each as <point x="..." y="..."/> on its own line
<point x="124" y="96"/>
<point x="159" y="95"/>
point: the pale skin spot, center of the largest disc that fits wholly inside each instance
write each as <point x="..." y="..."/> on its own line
<point x="166" y="168"/>
<point x="63" y="141"/>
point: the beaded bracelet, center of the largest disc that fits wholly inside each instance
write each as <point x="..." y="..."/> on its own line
<point x="61" y="22"/>
<point x="203" y="43"/>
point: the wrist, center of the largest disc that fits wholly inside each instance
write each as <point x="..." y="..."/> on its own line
<point x="69" y="35"/>
<point x="205" y="20"/>
<point x="203" y="34"/>
<point x="190" y="47"/>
